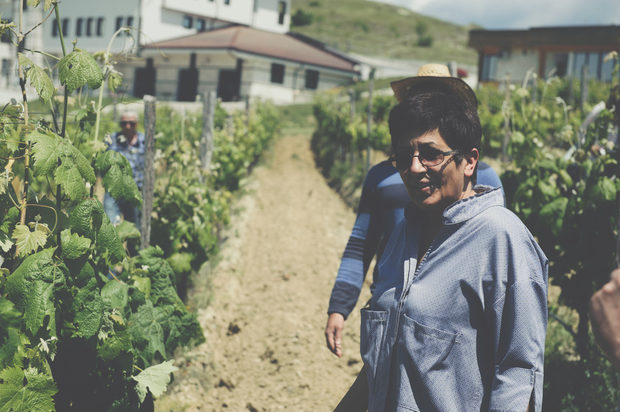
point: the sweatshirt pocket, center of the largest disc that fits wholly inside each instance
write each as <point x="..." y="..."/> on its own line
<point x="372" y="330"/>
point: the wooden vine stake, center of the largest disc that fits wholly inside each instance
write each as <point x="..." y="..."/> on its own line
<point x="149" y="170"/>
<point x="206" y="143"/>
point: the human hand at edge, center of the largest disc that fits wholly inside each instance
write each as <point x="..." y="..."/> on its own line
<point x="605" y="317"/>
<point x="333" y="333"/>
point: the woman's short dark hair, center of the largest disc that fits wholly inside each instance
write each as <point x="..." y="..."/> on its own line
<point x="457" y="123"/>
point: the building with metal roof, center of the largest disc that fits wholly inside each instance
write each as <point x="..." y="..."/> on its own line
<point x="560" y="51"/>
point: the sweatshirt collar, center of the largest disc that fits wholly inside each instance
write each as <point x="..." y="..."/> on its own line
<point x="465" y="209"/>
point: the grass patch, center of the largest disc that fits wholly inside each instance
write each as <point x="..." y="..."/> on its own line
<point x="378" y="29"/>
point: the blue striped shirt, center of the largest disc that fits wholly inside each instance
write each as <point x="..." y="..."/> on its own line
<point x="381" y="206"/>
<point x="465" y="331"/>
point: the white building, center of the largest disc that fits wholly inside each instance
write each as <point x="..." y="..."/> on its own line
<point x="237" y="62"/>
<point x="91" y="23"/>
<point x="179" y="48"/>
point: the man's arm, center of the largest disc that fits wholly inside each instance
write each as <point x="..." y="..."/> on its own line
<point x="361" y="247"/>
<point x="605" y="317"/>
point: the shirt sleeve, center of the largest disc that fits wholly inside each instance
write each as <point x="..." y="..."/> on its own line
<point x="359" y="251"/>
<point x="520" y="318"/>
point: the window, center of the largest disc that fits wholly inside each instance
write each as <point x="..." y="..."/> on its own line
<point x="227" y="2"/>
<point x="89" y="26"/>
<point x="277" y="73"/>
<point x="188" y="22"/>
<point x="119" y="23"/>
<point x="6" y="36"/>
<point x="312" y="79"/>
<point x="65" y="26"/>
<point x="78" y="26"/>
<point x="100" y="21"/>
<point x="55" y="28"/>
<point x="281" y="11"/>
<point x="201" y="24"/>
<point x="607" y="69"/>
<point x="129" y="24"/>
<point x="6" y="67"/>
<point x="489" y="67"/>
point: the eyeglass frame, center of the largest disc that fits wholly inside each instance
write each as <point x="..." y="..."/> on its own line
<point x="130" y="122"/>
<point x="423" y="161"/>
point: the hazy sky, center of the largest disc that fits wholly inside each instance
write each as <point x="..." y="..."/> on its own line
<point x="518" y="14"/>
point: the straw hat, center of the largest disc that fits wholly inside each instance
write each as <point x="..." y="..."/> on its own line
<point x="432" y="77"/>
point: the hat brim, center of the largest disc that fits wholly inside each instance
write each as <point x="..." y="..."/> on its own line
<point x="411" y="86"/>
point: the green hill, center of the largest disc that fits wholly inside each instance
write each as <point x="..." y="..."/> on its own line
<point x="381" y="30"/>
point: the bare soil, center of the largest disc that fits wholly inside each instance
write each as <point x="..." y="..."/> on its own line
<point x="265" y="349"/>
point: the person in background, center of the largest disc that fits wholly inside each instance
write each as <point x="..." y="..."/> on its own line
<point x="130" y="143"/>
<point x="605" y="317"/>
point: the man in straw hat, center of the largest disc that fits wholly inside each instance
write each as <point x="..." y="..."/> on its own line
<point x="458" y="314"/>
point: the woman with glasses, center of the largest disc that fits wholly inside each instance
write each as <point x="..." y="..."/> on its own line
<point x="458" y="316"/>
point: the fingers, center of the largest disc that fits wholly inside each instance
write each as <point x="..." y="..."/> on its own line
<point x="338" y="342"/>
<point x="333" y="333"/>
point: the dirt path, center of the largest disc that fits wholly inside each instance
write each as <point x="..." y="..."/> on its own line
<point x="265" y="348"/>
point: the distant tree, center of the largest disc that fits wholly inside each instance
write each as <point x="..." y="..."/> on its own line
<point x="301" y="18"/>
<point x="425" y="40"/>
<point x="421" y="28"/>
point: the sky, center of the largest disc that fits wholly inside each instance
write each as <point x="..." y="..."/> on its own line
<point x="518" y="14"/>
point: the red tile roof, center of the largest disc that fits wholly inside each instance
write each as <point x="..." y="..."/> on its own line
<point x="259" y="42"/>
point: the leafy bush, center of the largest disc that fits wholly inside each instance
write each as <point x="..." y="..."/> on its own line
<point x="301" y="18"/>
<point x="76" y="335"/>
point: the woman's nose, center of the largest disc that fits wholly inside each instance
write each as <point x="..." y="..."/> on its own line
<point x="416" y="166"/>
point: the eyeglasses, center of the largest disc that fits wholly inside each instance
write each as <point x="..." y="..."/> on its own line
<point x="428" y="157"/>
<point x="127" y="122"/>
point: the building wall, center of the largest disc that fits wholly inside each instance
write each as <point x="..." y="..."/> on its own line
<point x="123" y="11"/>
<point x="255" y="76"/>
<point x="515" y="65"/>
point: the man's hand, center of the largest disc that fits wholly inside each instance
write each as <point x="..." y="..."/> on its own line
<point x="605" y="317"/>
<point x="333" y="333"/>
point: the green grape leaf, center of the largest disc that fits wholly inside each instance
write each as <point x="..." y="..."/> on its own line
<point x="154" y="378"/>
<point x="78" y="69"/>
<point x="9" y="315"/>
<point x="127" y="230"/>
<point x="117" y="177"/>
<point x="115" y="79"/>
<point x="86" y="218"/>
<point x="108" y="239"/>
<point x="147" y="333"/>
<point x="10" y="345"/>
<point x="38" y="78"/>
<point x="32" y="288"/>
<point x="116" y="345"/>
<point x="88" y="309"/>
<point x="29" y="241"/>
<point x="73" y="169"/>
<point x="115" y="295"/>
<point x="5" y="180"/>
<point x="162" y="277"/>
<point x="143" y="285"/>
<point x="604" y="190"/>
<point x="553" y="213"/>
<point x="5" y="242"/>
<point x="26" y="390"/>
<point x="74" y="246"/>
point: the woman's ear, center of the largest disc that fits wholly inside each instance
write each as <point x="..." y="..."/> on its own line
<point x="471" y="160"/>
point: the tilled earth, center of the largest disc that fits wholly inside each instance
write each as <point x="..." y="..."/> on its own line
<point x="267" y="298"/>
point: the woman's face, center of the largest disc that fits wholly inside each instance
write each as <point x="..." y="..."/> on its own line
<point x="431" y="174"/>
